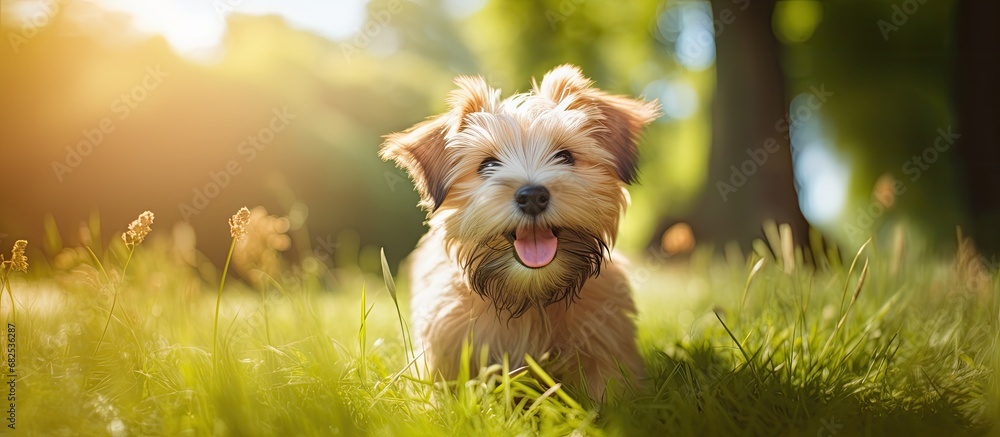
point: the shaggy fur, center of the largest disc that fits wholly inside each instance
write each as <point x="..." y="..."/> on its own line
<point x="468" y="282"/>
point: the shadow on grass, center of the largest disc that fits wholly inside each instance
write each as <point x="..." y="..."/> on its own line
<point x="700" y="394"/>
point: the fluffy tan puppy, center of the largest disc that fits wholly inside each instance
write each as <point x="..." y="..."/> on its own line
<point x="523" y="198"/>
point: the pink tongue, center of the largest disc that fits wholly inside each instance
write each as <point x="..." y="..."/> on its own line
<point x="536" y="246"/>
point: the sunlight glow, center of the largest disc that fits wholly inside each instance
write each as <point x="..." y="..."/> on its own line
<point x="31" y="12"/>
<point x="824" y="183"/>
<point x="463" y="8"/>
<point x="195" y="28"/>
<point x="678" y="97"/>
<point x="795" y="21"/>
<point x="689" y="28"/>
<point x="822" y="177"/>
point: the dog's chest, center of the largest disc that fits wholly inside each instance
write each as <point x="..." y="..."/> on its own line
<point x="534" y="333"/>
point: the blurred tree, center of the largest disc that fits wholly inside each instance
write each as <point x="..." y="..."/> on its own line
<point x="977" y="69"/>
<point x="890" y="102"/>
<point x="889" y="70"/>
<point x="750" y="166"/>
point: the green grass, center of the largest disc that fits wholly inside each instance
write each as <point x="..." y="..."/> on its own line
<point x="320" y="351"/>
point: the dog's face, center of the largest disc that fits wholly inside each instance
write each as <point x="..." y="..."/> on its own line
<point x="528" y="190"/>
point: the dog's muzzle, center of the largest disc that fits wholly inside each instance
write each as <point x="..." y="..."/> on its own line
<point x="532" y="199"/>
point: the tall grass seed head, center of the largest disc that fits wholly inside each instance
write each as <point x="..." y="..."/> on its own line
<point x="18" y="260"/>
<point x="238" y="223"/>
<point x="138" y="229"/>
<point x="260" y="250"/>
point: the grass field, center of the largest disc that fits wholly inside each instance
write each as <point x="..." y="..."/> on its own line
<point x="732" y="347"/>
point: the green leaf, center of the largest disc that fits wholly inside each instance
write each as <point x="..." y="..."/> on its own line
<point x="387" y="277"/>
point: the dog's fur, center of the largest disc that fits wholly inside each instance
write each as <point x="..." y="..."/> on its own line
<point x="468" y="282"/>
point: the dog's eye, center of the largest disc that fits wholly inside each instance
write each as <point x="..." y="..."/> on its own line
<point x="489" y="164"/>
<point x="564" y="157"/>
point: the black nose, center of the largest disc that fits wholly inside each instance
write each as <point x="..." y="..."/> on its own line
<point x="532" y="199"/>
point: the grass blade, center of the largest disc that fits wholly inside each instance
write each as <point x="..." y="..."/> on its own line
<point x="738" y="345"/>
<point x="854" y="297"/>
<point x="390" y="285"/>
<point x="537" y="369"/>
<point x="363" y="340"/>
<point x="746" y="286"/>
<point x="850" y="272"/>
<point x="218" y="299"/>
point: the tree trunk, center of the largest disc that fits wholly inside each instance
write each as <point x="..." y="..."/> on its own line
<point x="748" y="113"/>
<point x="977" y="71"/>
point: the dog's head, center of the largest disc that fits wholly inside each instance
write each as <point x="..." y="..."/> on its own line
<point x="529" y="189"/>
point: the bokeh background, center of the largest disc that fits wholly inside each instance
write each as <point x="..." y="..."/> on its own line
<point x="850" y="117"/>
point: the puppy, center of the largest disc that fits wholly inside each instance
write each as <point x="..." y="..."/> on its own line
<point x="523" y="198"/>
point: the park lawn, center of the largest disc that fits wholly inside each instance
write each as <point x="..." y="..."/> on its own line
<point x="732" y="347"/>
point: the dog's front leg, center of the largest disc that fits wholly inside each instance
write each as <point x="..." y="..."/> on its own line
<point x="598" y="336"/>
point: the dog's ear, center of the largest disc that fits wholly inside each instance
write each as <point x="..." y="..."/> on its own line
<point x="619" y="119"/>
<point x="420" y="150"/>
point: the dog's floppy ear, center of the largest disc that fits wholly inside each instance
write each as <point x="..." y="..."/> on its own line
<point x="619" y="119"/>
<point x="420" y="150"/>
